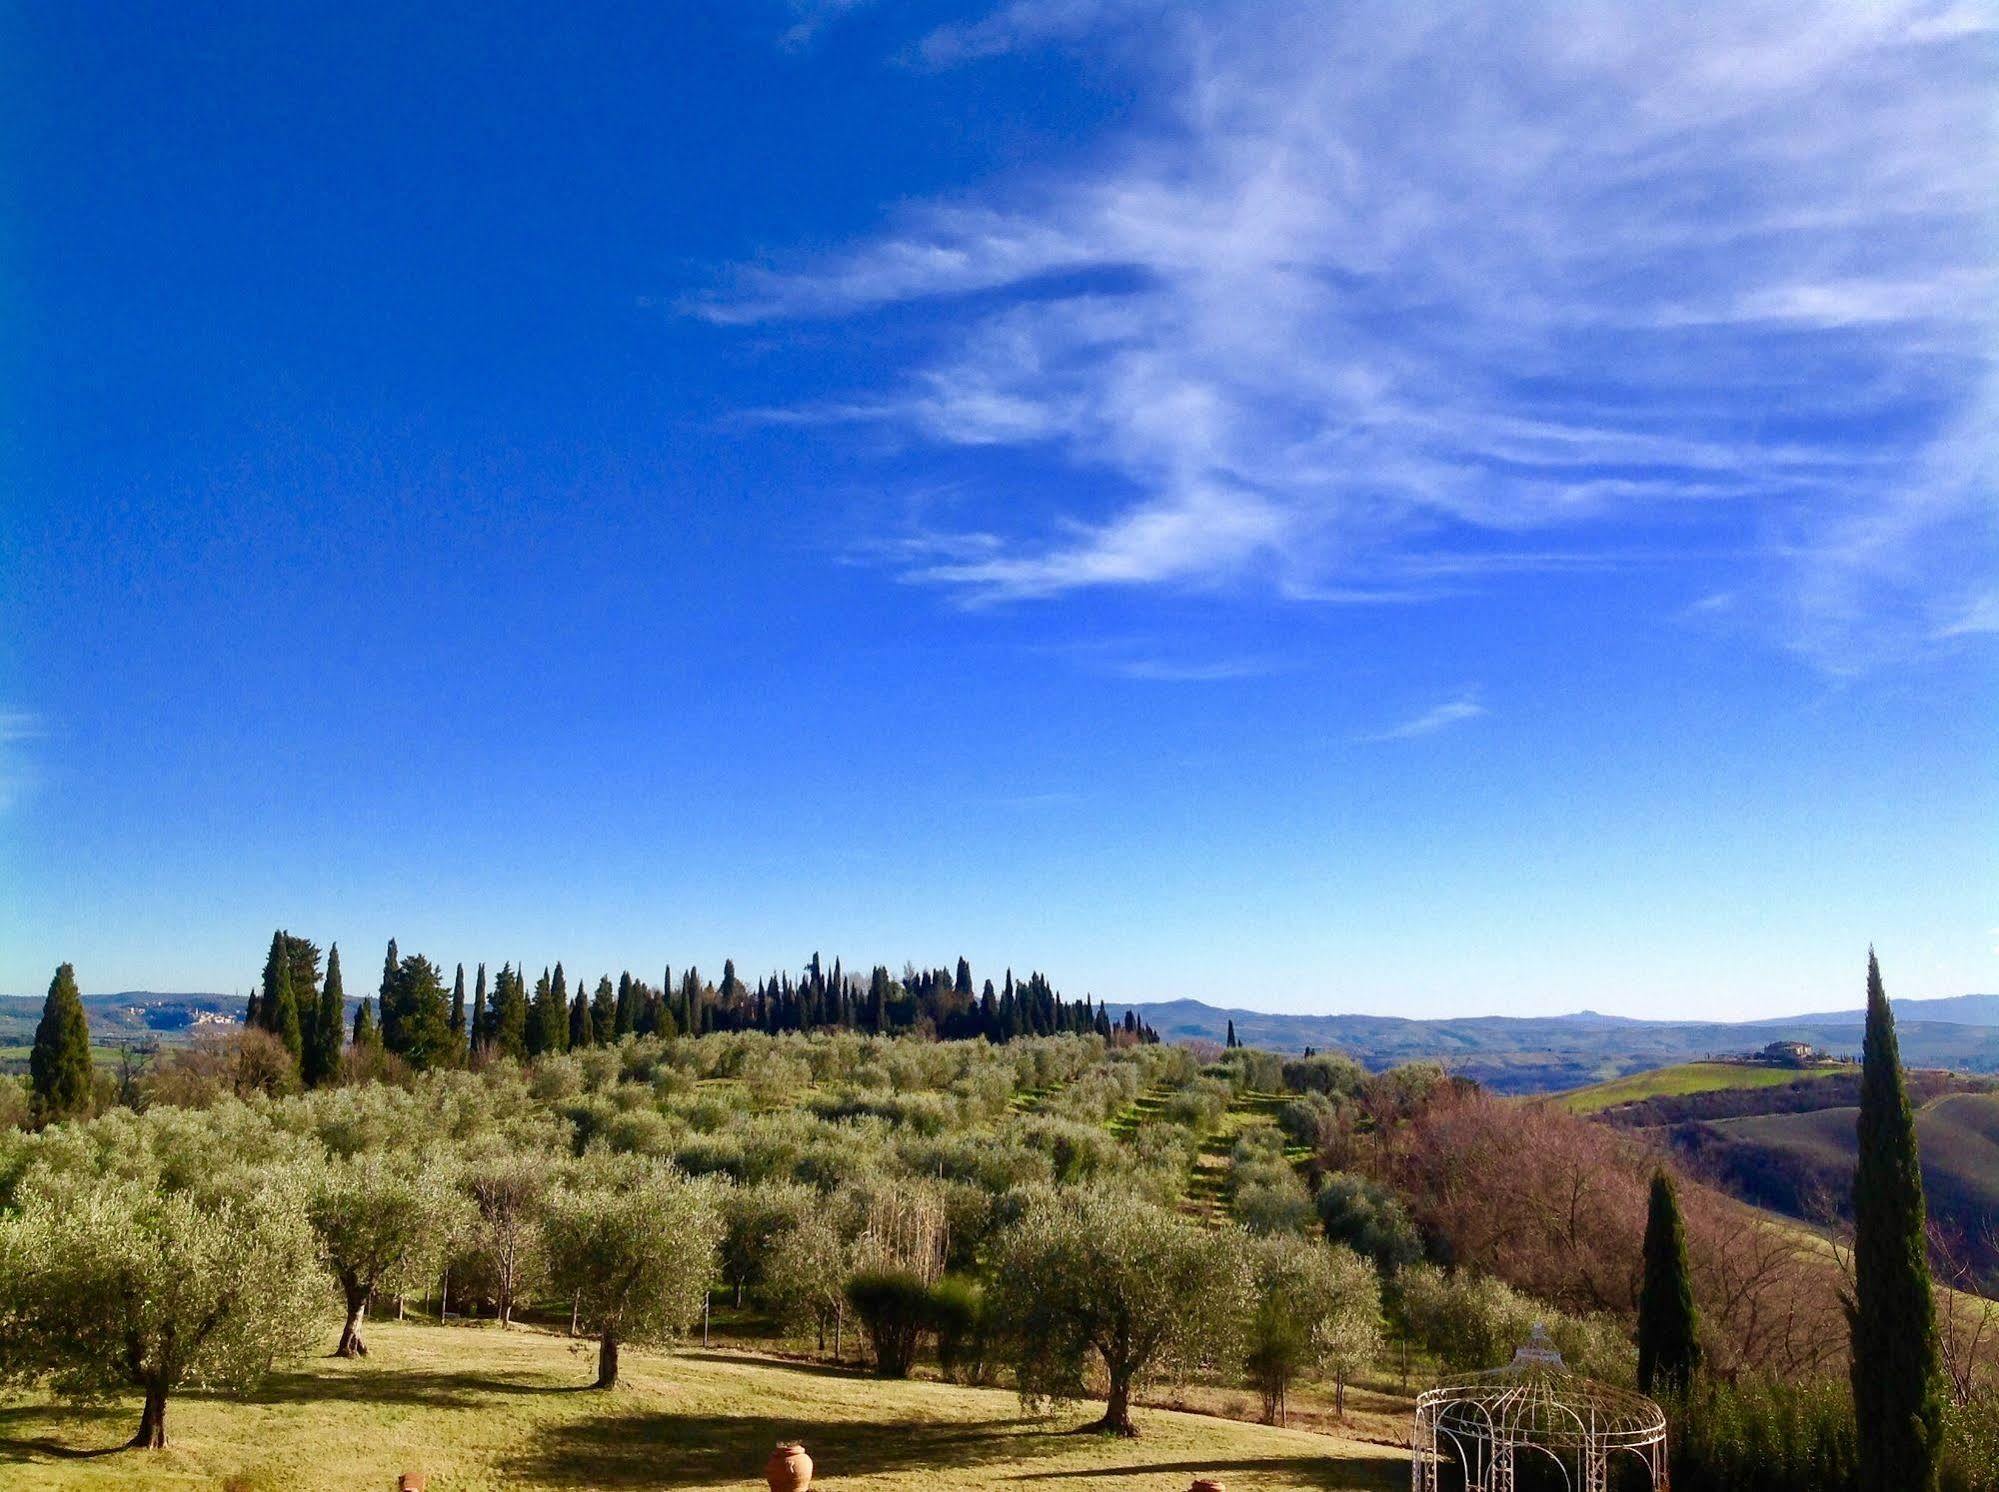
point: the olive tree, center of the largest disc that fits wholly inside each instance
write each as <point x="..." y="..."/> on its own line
<point x="508" y="1192"/>
<point x="378" y="1216"/>
<point x="1102" y="1275"/>
<point x="113" y="1284"/>
<point x="632" y="1242"/>
<point x="1317" y="1309"/>
<point x="805" y="1277"/>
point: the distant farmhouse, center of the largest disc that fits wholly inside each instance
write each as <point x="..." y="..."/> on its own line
<point x="1790" y="1054"/>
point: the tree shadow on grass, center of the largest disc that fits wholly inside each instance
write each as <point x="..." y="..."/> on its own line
<point x="1336" y="1473"/>
<point x="666" y="1450"/>
<point x="412" y="1388"/>
<point x="106" y="1422"/>
<point x="781" y="1364"/>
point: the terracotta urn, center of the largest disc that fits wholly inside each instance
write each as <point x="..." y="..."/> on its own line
<point x="789" y="1469"/>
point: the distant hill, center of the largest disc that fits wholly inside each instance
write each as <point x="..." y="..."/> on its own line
<point x="1544" y="1054"/>
<point x="1956" y="1010"/>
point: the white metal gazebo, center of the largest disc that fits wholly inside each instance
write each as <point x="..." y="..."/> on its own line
<point x="1535" y="1407"/>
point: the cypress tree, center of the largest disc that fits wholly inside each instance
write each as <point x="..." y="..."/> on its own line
<point x="1668" y="1325"/>
<point x="480" y="1019"/>
<point x="275" y="962"/>
<point x="302" y="955"/>
<point x="625" y="1015"/>
<point x="1891" y="1315"/>
<point x="422" y="1032"/>
<point x="365" y="1034"/>
<point x="509" y="1019"/>
<point x="329" y="1026"/>
<point x="458" y="1009"/>
<point x="579" y="1019"/>
<point x="283" y="1011"/>
<point x="604" y="1012"/>
<point x="59" y="1065"/>
<point x="388" y="1015"/>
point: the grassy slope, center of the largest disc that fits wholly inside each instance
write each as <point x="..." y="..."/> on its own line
<point x="1958" y="1134"/>
<point x="1677" y="1081"/>
<point x="480" y="1409"/>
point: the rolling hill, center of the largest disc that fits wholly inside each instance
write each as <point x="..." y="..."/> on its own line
<point x="1685" y="1078"/>
<point x="1545" y="1054"/>
<point x="1802" y="1164"/>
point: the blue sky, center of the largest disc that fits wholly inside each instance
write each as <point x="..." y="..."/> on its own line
<point x="1424" y="509"/>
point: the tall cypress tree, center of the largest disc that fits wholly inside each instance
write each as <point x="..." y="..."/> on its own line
<point x="329" y="1026"/>
<point x="284" y="1010"/>
<point x="1897" y="1395"/>
<point x="365" y="1034"/>
<point x="59" y="1065"/>
<point x="1668" y="1326"/>
<point x="458" y="1011"/>
<point x="604" y="1012"/>
<point x="509" y="1019"/>
<point x="388" y="1015"/>
<point x="579" y="1019"/>
<point x="481" y="1019"/>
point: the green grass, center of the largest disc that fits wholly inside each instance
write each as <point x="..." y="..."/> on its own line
<point x="477" y="1408"/>
<point x="1682" y="1079"/>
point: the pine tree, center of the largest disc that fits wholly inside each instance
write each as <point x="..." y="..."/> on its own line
<point x="59" y="1066"/>
<point x="283" y="1010"/>
<point x="421" y="1032"/>
<point x="329" y="1026"/>
<point x="1668" y="1327"/>
<point x="1891" y="1315"/>
<point x="458" y="1009"/>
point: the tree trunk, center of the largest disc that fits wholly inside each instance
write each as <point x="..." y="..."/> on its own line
<point x="607" y="1359"/>
<point x="351" y="1344"/>
<point x="152" y="1421"/>
<point x="1117" y="1409"/>
<point x="575" y="1305"/>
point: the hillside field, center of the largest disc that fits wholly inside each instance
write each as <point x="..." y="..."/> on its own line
<point x="478" y="1408"/>
<point x="1683" y="1078"/>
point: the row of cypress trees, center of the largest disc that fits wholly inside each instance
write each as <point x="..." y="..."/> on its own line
<point x="1896" y="1369"/>
<point x="411" y="1016"/>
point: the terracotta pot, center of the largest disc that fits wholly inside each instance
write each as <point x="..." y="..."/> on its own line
<point x="789" y="1469"/>
<point x="1202" y="1484"/>
<point x="412" y="1481"/>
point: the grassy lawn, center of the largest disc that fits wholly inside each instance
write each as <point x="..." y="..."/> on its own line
<point x="1678" y="1081"/>
<point x="478" y="1408"/>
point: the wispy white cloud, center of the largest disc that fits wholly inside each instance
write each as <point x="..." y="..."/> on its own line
<point x="811" y="17"/>
<point x="1366" y="286"/>
<point x="1196" y="671"/>
<point x="1439" y="717"/>
<point x="16" y="726"/>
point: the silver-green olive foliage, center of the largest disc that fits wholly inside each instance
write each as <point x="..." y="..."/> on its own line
<point x="378" y="1217"/>
<point x="110" y="1284"/>
<point x="1099" y="1274"/>
<point x="633" y="1243"/>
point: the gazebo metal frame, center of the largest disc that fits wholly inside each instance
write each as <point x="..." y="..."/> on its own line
<point x="1534" y="1405"/>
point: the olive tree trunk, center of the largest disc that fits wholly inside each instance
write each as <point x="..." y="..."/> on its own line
<point x="152" y="1434"/>
<point x="351" y="1344"/>
<point x="607" y="1359"/>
